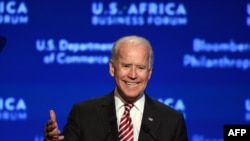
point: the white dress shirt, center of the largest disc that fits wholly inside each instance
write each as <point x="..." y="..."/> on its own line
<point x="136" y="112"/>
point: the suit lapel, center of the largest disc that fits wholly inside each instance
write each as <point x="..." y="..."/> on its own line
<point x="150" y="122"/>
<point x="107" y="116"/>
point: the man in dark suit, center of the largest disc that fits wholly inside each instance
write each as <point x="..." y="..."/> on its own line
<point x="127" y="113"/>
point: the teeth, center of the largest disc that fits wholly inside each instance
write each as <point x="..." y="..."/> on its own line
<point x="131" y="84"/>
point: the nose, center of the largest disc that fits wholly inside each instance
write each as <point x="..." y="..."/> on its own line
<point x="132" y="73"/>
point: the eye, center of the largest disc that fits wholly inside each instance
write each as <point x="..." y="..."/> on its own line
<point x="125" y="66"/>
<point x="142" y="67"/>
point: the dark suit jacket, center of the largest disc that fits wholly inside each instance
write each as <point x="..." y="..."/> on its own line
<point x="95" y="120"/>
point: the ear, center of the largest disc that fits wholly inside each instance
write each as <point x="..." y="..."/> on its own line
<point x="150" y="73"/>
<point x="111" y="68"/>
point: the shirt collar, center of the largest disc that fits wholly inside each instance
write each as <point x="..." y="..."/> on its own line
<point x="138" y="104"/>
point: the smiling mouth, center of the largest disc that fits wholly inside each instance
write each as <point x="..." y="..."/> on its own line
<point x="132" y="84"/>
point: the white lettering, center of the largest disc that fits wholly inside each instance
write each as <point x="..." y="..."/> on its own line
<point x="22" y="8"/>
<point x="1" y="7"/>
<point x="142" y="8"/>
<point x="20" y="105"/>
<point x="12" y="109"/>
<point x="39" y="138"/>
<point x="166" y="20"/>
<point x="231" y="132"/>
<point x="153" y="8"/>
<point x="62" y="58"/>
<point x="13" y="19"/>
<point x="118" y="20"/>
<point x="132" y="9"/>
<point x="113" y="8"/>
<point x="181" y="10"/>
<point x="43" y="45"/>
<point x="222" y="62"/>
<point x="97" y="8"/>
<point x="247" y="105"/>
<point x="170" y="8"/>
<point x="12" y="104"/>
<point x="242" y="132"/>
<point x="248" y="9"/>
<point x="198" y="137"/>
<point x="177" y="104"/>
<point x="139" y="14"/>
<point x="247" y="116"/>
<point x="235" y="132"/>
<point x="231" y="46"/>
<point x="13" y="115"/>
<point x="64" y="45"/>
<point x="9" y="104"/>
<point x="12" y="7"/>
<point x="1" y="104"/>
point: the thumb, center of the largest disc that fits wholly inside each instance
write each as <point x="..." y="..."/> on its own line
<point x="52" y="115"/>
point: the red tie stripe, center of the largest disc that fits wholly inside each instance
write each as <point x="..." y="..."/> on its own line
<point x="126" y="126"/>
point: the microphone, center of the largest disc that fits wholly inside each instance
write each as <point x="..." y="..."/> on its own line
<point x="112" y="124"/>
<point x="2" y="42"/>
<point x="148" y="130"/>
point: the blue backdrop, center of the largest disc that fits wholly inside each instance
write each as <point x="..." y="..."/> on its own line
<point x="57" y="53"/>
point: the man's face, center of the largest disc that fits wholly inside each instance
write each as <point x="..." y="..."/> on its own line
<point x="131" y="70"/>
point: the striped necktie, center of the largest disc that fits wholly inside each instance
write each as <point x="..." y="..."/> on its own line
<point x="126" y="126"/>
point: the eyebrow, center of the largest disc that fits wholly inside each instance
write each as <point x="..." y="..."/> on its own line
<point x="137" y="65"/>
